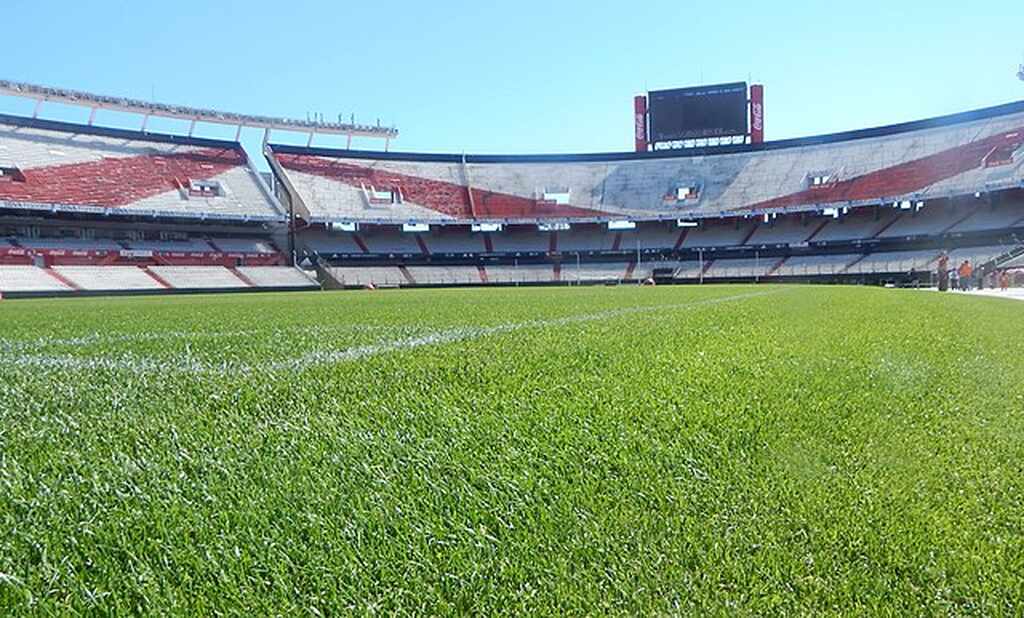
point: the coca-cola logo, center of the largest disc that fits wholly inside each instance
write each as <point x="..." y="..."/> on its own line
<point x="758" y="114"/>
<point x="641" y="127"/>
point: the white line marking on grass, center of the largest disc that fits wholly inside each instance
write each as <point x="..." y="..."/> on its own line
<point x="96" y="338"/>
<point x="463" y="334"/>
<point x="314" y="359"/>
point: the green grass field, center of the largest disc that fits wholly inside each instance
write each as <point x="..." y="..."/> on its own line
<point x="672" y="450"/>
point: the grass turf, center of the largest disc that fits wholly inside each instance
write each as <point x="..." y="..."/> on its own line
<point x="721" y="449"/>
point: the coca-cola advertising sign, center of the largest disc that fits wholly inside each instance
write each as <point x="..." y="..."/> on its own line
<point x="640" y="122"/>
<point x="756" y="114"/>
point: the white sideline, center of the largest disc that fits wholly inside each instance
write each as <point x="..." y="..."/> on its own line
<point x="314" y="359"/>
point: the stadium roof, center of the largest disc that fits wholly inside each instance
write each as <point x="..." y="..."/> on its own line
<point x="146" y="108"/>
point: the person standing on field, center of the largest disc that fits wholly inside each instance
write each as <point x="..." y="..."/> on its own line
<point x="943" y="272"/>
<point x="1004" y="280"/>
<point x="965" y="272"/>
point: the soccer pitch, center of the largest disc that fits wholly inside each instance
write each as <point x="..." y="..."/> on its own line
<point x="670" y="450"/>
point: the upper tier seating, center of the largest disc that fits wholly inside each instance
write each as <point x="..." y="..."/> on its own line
<point x="782" y="231"/>
<point x="79" y="167"/>
<point x="653" y="236"/>
<point x="713" y="233"/>
<point x="73" y="244"/>
<point x="586" y="238"/>
<point x="988" y="218"/>
<point x="930" y="221"/>
<point x="521" y="240"/>
<point x="454" y="241"/>
<point x="858" y="224"/>
<point x="324" y="243"/>
<point x="171" y="246"/>
<point x="919" y="161"/>
<point x="242" y="245"/>
<point x="391" y="242"/>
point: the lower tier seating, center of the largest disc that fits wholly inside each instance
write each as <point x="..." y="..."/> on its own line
<point x="109" y="278"/>
<point x="814" y="265"/>
<point x="30" y="279"/>
<point x="198" y="277"/>
<point x="277" y="277"/>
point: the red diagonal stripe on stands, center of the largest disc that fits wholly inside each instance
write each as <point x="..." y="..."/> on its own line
<point x="904" y="178"/>
<point x="445" y="197"/>
<point x="113" y="182"/>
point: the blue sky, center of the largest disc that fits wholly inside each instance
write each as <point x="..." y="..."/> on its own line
<point x="529" y="76"/>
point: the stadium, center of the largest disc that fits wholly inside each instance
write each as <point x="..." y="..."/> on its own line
<point x="713" y="374"/>
<point x="90" y="209"/>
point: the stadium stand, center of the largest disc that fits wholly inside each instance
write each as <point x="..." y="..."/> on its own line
<point x="268" y="277"/>
<point x="445" y="275"/>
<point x="916" y="161"/>
<point x="521" y="273"/>
<point x="109" y="278"/>
<point x="858" y="224"/>
<point x="691" y="269"/>
<point x="781" y="231"/>
<point x="816" y="265"/>
<point x="69" y="244"/>
<point x="30" y="279"/>
<point x="172" y="246"/>
<point x="992" y="218"/>
<point x="933" y="220"/>
<point x="719" y="233"/>
<point x="979" y="255"/>
<point x="745" y="268"/>
<point x="894" y="262"/>
<point x="523" y="239"/>
<point x="85" y="209"/>
<point x="603" y="272"/>
<point x="75" y="168"/>
<point x="241" y="245"/>
<point x="198" y="277"/>
<point x="380" y="276"/>
<point x="393" y="242"/>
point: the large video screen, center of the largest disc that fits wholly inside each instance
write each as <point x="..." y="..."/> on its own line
<point x="693" y="113"/>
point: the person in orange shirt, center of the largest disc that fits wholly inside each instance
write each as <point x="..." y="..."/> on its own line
<point x="965" y="271"/>
<point x="1004" y="280"/>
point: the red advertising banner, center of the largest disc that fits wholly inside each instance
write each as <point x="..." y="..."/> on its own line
<point x="756" y="113"/>
<point x="640" y="122"/>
